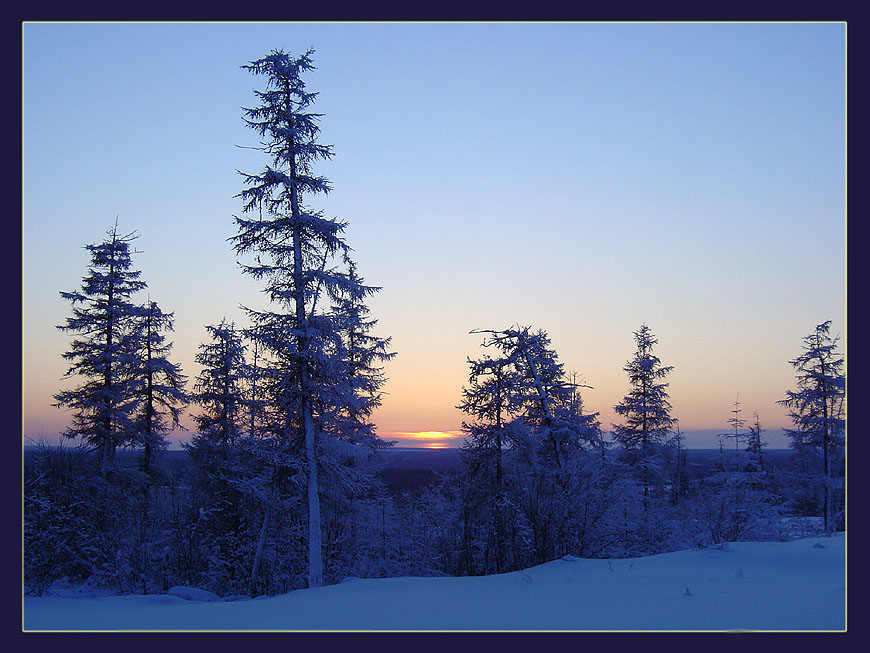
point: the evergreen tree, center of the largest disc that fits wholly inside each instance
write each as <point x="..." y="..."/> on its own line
<point x="524" y="454"/>
<point x="162" y="383"/>
<point x="754" y="443"/>
<point x="586" y="426"/>
<point x="546" y="398"/>
<point x="491" y="398"/>
<point x="645" y="409"/>
<point x="236" y="478"/>
<point x="364" y="353"/>
<point x="315" y="382"/>
<point x="256" y="382"/>
<point x="219" y="389"/>
<point x="737" y="423"/>
<point x="730" y="482"/>
<point x="105" y="318"/>
<point x="817" y="406"/>
<point x="679" y="477"/>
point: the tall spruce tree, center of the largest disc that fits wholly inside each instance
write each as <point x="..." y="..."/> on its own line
<point x="300" y="256"/>
<point x="817" y="407"/>
<point x="105" y="318"/>
<point x="645" y="409"/>
<point x="161" y="382"/>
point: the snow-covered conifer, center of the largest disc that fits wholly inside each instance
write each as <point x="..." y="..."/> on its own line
<point x="817" y="407"/>
<point x="679" y="477"/>
<point x="545" y="397"/>
<point x="754" y="443"/>
<point x="738" y="436"/>
<point x="234" y="483"/>
<point x="364" y="354"/>
<point x="299" y="254"/>
<point x="645" y="409"/>
<point x="492" y="397"/>
<point x="219" y="390"/>
<point x="524" y="453"/>
<point x="256" y="383"/>
<point x="161" y="382"/>
<point x="104" y="317"/>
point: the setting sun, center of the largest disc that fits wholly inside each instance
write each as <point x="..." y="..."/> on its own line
<point x="425" y="439"/>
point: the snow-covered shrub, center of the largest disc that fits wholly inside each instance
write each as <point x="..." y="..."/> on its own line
<point x="733" y="506"/>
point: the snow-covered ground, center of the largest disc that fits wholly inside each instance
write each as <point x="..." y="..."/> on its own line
<point x="798" y="585"/>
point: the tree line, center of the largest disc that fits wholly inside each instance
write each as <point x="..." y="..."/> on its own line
<point x="281" y="488"/>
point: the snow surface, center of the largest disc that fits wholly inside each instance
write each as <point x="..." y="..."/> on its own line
<point x="797" y="585"/>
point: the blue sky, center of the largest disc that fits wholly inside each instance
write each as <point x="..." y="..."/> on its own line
<point x="580" y="178"/>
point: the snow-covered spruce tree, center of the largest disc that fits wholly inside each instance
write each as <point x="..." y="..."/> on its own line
<point x="256" y="383"/>
<point x="679" y="476"/>
<point x="218" y="453"/>
<point x="364" y="353"/>
<point x="645" y="409"/>
<point x="546" y="398"/>
<point x="738" y="436"/>
<point x="104" y="317"/>
<point x="161" y="383"/>
<point x="754" y="443"/>
<point x="348" y="453"/>
<point x="219" y="391"/>
<point x="525" y="403"/>
<point x="298" y="255"/>
<point x="817" y="407"/>
<point x="491" y="398"/>
<point x="588" y="435"/>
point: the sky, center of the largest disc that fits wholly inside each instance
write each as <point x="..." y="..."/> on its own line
<point x="580" y="178"/>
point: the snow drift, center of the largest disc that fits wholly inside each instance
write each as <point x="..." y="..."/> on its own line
<point x="797" y="585"/>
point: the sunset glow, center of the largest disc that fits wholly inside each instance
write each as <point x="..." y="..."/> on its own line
<point x="667" y="154"/>
<point x="425" y="439"/>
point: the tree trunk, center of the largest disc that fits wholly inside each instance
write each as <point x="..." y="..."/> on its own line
<point x="149" y="400"/>
<point x="545" y="404"/>
<point x="107" y="453"/>
<point x="258" y="554"/>
<point x="825" y="440"/>
<point x="315" y="562"/>
<point x="499" y="521"/>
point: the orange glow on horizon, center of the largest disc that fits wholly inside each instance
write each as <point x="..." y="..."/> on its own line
<point x="432" y="435"/>
<point x="425" y="439"/>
